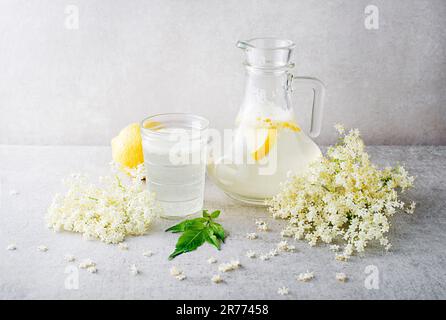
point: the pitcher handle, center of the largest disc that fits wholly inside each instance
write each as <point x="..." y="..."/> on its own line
<point x="318" y="101"/>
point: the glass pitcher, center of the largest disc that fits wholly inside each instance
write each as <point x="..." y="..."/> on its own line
<point x="267" y="142"/>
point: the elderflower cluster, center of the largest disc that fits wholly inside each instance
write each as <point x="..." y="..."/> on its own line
<point x="89" y="265"/>
<point x="177" y="273"/>
<point x="230" y="266"/>
<point x="343" y="197"/>
<point x="216" y="278"/>
<point x="285" y="247"/>
<point x="261" y="225"/>
<point x="109" y="211"/>
<point x="283" y="291"/>
<point x="305" y="276"/>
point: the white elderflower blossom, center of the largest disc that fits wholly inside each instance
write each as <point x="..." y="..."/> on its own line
<point x="180" y="277"/>
<point x="251" y="236"/>
<point x="212" y="260"/>
<point x="134" y="270"/>
<point x="411" y="208"/>
<point x="340" y="128"/>
<point x="69" y="258"/>
<point x="109" y="212"/>
<point x="342" y="257"/>
<point x="283" y="291"/>
<point x="92" y="269"/>
<point x="264" y="257"/>
<point x="14" y="193"/>
<point x="261" y="225"/>
<point x="285" y="247"/>
<point x="306" y="276"/>
<point x="342" y="197"/>
<point x="230" y="266"/>
<point x="177" y="273"/>
<point x="341" y="277"/>
<point x="217" y="278"/>
<point x="123" y="246"/>
<point x="273" y="252"/>
<point x="174" y="271"/>
<point x="11" y="247"/>
<point x="147" y="253"/>
<point x="251" y="254"/>
<point x="42" y="248"/>
<point x="87" y="263"/>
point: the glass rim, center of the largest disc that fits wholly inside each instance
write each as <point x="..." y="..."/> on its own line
<point x="289" y="44"/>
<point x="180" y="114"/>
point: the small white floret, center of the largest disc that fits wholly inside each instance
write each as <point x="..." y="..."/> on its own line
<point x="411" y="208"/>
<point x="306" y="276"/>
<point x="212" y="260"/>
<point x="251" y="236"/>
<point x="342" y="257"/>
<point x="11" y="247"/>
<point x="147" y="253"/>
<point x="217" y="279"/>
<point x="14" y="193"/>
<point x="123" y="246"/>
<point x="69" y="258"/>
<point x="334" y="248"/>
<point x="264" y="257"/>
<point x="180" y="277"/>
<point x="92" y="269"/>
<point x="174" y="271"/>
<point x="42" y="248"/>
<point x="134" y="270"/>
<point x="339" y="128"/>
<point x="87" y="263"/>
<point x="251" y="254"/>
<point x="285" y="247"/>
<point x="283" y="291"/>
<point x="341" y="277"/>
<point x="261" y="225"/>
<point x="236" y="264"/>
<point x="230" y="266"/>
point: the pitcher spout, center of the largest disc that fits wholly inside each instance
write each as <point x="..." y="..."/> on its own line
<point x="267" y="53"/>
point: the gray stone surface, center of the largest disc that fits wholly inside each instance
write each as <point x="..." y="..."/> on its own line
<point x="415" y="268"/>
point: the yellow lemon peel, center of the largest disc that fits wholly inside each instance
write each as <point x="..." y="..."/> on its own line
<point x="266" y="146"/>
<point x="272" y="126"/>
<point x="127" y="147"/>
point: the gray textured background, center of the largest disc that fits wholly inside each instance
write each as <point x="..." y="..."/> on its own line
<point x="129" y="59"/>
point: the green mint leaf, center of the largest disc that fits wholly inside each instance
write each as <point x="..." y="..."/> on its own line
<point x="196" y="232"/>
<point x="212" y="239"/>
<point x="206" y="214"/>
<point x="197" y="223"/>
<point x="215" y="214"/>
<point x="176" y="253"/>
<point x="190" y="240"/>
<point x="218" y="231"/>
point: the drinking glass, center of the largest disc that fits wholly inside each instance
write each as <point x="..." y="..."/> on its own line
<point x="174" y="146"/>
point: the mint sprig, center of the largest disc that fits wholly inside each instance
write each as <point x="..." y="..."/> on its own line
<point x="198" y="231"/>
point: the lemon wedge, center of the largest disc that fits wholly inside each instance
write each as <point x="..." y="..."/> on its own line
<point x="127" y="147"/>
<point x="263" y="137"/>
<point x="266" y="142"/>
